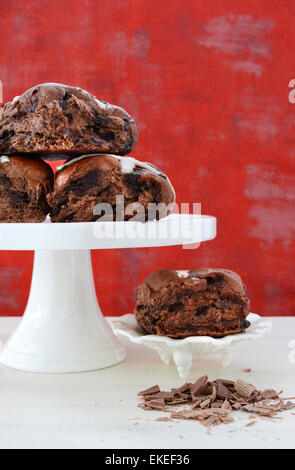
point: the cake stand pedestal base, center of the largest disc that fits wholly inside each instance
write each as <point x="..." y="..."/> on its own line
<point x="63" y="329"/>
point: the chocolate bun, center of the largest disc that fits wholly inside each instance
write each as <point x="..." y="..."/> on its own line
<point x="24" y="185"/>
<point x="53" y="119"/>
<point x="84" y="182"/>
<point x="199" y="302"/>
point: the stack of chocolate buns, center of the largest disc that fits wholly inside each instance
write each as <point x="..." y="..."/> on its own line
<point x="57" y="122"/>
<point x="53" y="121"/>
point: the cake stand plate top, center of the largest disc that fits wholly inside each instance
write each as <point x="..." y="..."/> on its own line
<point x="175" y="229"/>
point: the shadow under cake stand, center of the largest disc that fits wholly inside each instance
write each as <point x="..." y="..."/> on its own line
<point x="63" y="329"/>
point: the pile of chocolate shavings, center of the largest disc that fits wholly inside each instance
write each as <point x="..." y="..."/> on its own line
<point x="212" y="402"/>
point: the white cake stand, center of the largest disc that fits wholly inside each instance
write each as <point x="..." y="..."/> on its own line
<point x="63" y="329"/>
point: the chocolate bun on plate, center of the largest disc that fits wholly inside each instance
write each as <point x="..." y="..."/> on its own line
<point x="199" y="302"/>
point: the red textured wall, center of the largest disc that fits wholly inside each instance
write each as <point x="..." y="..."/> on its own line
<point x="207" y="81"/>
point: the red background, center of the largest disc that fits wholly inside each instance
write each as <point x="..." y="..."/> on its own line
<point x="207" y="82"/>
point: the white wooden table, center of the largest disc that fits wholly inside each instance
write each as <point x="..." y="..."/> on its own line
<point x="99" y="409"/>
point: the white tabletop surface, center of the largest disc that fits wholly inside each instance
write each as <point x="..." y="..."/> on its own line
<point x="99" y="409"/>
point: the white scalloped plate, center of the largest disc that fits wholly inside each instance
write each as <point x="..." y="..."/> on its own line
<point x="183" y="350"/>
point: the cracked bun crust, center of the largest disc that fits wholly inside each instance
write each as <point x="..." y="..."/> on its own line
<point x="53" y="119"/>
<point x="199" y="302"/>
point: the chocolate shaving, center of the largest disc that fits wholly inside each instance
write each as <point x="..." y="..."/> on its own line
<point x="213" y="394"/>
<point x="243" y="388"/>
<point x="270" y="394"/>
<point x="211" y="403"/>
<point x="205" y="403"/>
<point x="206" y="390"/>
<point x="184" y="388"/>
<point x="236" y="406"/>
<point x="217" y="404"/>
<point x="196" y="388"/>
<point x="227" y="383"/>
<point x="149" y="391"/>
<point x="222" y="391"/>
<point x="288" y="406"/>
<point x="166" y="395"/>
<point x="226" y="420"/>
<point x="183" y="396"/>
<point x="158" y="404"/>
<point x="196" y="403"/>
<point x="226" y="405"/>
